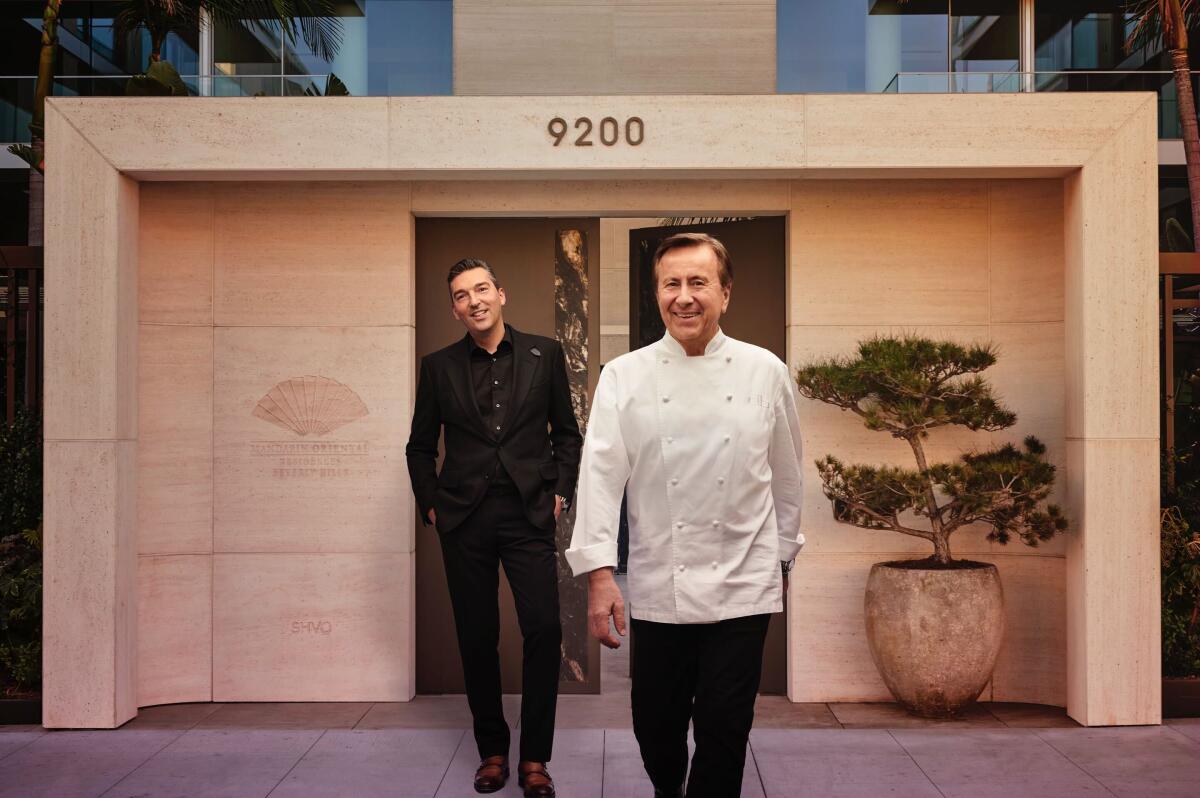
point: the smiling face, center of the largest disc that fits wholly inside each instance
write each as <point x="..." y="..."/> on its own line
<point x="477" y="302"/>
<point x="690" y="296"/>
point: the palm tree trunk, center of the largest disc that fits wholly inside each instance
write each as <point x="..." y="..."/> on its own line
<point x="1191" y="133"/>
<point x="37" y="127"/>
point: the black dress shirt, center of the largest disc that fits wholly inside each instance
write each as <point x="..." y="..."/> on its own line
<point x="491" y="375"/>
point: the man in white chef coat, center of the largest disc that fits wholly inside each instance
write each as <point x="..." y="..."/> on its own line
<point x="701" y="432"/>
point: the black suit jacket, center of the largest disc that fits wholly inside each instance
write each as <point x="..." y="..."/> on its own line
<point x="540" y="462"/>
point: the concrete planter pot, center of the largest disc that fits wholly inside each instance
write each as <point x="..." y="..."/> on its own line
<point x="934" y="633"/>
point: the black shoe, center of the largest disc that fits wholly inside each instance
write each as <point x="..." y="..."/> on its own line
<point x="492" y="774"/>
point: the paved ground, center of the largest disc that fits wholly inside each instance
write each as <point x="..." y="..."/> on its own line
<point x="422" y="749"/>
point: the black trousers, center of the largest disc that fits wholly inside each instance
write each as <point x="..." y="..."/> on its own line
<point x="498" y="532"/>
<point x="704" y="673"/>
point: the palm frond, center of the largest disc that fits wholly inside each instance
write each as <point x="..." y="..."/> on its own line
<point x="314" y="21"/>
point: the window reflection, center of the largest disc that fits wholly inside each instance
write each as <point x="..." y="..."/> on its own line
<point x="985" y="37"/>
<point x="388" y="47"/>
<point x="858" y="45"/>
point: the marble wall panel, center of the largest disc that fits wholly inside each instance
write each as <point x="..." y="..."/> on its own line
<point x="313" y="254"/>
<point x="309" y="434"/>
<point x="307" y="627"/>
<point x="175" y="428"/>
<point x="883" y="252"/>
<point x="175" y="253"/>
<point x="174" y="629"/>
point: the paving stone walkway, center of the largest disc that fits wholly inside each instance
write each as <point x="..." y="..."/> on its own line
<point x="423" y="749"/>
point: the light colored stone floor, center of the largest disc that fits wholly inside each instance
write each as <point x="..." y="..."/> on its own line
<point x="423" y="749"/>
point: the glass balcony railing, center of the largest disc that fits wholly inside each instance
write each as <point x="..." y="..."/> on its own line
<point x="1162" y="83"/>
<point x="16" y="94"/>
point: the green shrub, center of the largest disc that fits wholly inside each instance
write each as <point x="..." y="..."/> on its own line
<point x="21" y="553"/>
<point x="1181" y="573"/>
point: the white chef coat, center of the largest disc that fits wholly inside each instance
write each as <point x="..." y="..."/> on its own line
<point x="708" y="448"/>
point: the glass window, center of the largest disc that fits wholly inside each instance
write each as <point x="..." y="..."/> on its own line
<point x="985" y="37"/>
<point x="859" y="45"/>
<point x="388" y="48"/>
<point x="1080" y="34"/>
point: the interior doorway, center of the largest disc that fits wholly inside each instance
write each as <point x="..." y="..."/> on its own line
<point x="619" y="313"/>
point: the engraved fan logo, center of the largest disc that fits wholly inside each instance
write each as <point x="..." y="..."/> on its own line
<point x="310" y="405"/>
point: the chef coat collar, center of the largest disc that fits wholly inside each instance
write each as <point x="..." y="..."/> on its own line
<point x="675" y="348"/>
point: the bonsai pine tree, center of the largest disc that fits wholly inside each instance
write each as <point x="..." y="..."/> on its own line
<point x="907" y="386"/>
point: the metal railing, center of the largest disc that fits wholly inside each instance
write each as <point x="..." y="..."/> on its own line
<point x="1161" y="82"/>
<point x="16" y="93"/>
<point x="22" y="298"/>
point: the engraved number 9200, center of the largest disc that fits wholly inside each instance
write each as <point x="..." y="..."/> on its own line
<point x="610" y="131"/>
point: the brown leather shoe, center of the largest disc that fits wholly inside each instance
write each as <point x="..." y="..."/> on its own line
<point x="535" y="780"/>
<point x="492" y="774"/>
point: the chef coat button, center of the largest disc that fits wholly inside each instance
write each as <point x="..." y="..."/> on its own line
<point x="720" y="480"/>
<point x="682" y="567"/>
<point x="669" y="439"/>
<point x="728" y="359"/>
<point x="726" y="437"/>
<point x="675" y="481"/>
<point x="665" y="361"/>
<point x="679" y="525"/>
<point x="714" y="565"/>
<point x="728" y="397"/>
<point x="666" y="399"/>
<point x="716" y="523"/>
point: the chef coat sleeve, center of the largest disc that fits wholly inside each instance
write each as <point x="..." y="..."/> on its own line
<point x="785" y="456"/>
<point x="603" y="471"/>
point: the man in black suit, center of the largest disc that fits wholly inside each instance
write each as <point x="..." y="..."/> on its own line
<point x="503" y="483"/>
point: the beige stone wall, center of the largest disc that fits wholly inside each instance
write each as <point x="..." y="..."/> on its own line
<point x="245" y="285"/>
<point x="614" y="47"/>
<point x="275" y="560"/>
<point x="971" y="261"/>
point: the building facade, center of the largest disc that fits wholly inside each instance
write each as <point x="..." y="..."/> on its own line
<point x="928" y="167"/>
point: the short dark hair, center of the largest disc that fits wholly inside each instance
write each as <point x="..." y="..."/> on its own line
<point x="465" y="265"/>
<point x="686" y="240"/>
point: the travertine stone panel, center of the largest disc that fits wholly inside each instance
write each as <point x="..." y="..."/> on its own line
<point x="916" y="130"/>
<point x="882" y="252"/>
<point x="1111" y="283"/>
<point x="1028" y="378"/>
<point x="342" y="485"/>
<point x="91" y="343"/>
<point x="299" y="627"/>
<point x="1114" y="658"/>
<point x="1032" y="666"/>
<point x="1025" y="250"/>
<point x="90" y="584"/>
<point x="828" y="653"/>
<point x="614" y="46"/>
<point x="175" y="253"/>
<point x="680" y="133"/>
<point x="174" y="629"/>
<point x="313" y="254"/>
<point x="600" y="197"/>
<point x="831" y="660"/>
<point x="713" y="47"/>
<point x="234" y="133"/>
<point x="175" y="428"/>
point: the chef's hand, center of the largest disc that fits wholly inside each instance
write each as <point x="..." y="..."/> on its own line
<point x="432" y="516"/>
<point x="604" y="601"/>
<point x="558" y="500"/>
